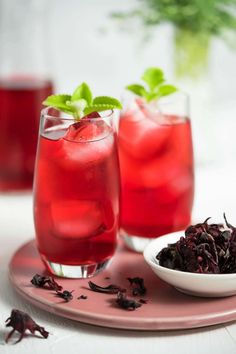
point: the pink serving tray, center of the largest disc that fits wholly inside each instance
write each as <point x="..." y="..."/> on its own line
<point x="166" y="308"/>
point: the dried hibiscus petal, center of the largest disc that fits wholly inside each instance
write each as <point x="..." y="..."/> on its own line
<point x="143" y="301"/>
<point x="20" y="321"/>
<point x="138" y="286"/>
<point x="125" y="303"/>
<point x="110" y="289"/>
<point x="45" y="282"/>
<point x="83" y="297"/>
<point x="65" y="295"/>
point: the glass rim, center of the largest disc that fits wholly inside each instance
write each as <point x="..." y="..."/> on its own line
<point x="173" y="97"/>
<point x="45" y="114"/>
<point x="163" y="104"/>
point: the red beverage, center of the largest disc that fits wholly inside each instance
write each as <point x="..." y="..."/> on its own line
<point x="76" y="191"/>
<point x="156" y="161"/>
<point x="20" y="106"/>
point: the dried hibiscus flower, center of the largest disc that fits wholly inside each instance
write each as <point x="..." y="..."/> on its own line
<point x="45" y="282"/>
<point x="82" y="297"/>
<point x="138" y="286"/>
<point x="125" y="303"/>
<point x="143" y="301"/>
<point x="65" y="295"/>
<point x="110" y="289"/>
<point x="20" y="322"/>
<point x="206" y="248"/>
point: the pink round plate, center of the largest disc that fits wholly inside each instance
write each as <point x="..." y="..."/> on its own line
<point x="166" y="308"/>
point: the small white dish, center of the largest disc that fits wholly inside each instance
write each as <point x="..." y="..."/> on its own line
<point x="206" y="285"/>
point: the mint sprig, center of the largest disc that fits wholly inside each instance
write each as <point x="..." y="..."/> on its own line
<point x="81" y="102"/>
<point x="155" y="85"/>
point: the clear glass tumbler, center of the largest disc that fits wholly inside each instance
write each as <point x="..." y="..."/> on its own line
<point x="157" y="172"/>
<point x="76" y="193"/>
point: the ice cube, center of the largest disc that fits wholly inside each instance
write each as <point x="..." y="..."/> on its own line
<point x="74" y="156"/>
<point x="88" y="129"/>
<point x="145" y="138"/>
<point x="77" y="219"/>
<point x="82" y="132"/>
<point x="152" y="173"/>
<point x="166" y="170"/>
<point x="76" y="151"/>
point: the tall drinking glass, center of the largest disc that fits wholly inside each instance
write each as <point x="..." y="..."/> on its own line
<point x="25" y="81"/>
<point x="76" y="193"/>
<point x="157" y="176"/>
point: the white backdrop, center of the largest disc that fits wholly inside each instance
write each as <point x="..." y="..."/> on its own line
<point x="87" y="45"/>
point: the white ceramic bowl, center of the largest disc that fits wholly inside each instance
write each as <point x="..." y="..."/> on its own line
<point x="206" y="285"/>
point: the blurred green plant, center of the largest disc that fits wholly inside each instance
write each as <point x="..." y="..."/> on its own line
<point x="196" y="22"/>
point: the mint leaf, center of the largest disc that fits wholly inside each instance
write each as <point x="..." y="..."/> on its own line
<point x="59" y="102"/>
<point x="151" y="96"/>
<point x="153" y="77"/>
<point x="78" y="106"/>
<point x="82" y="92"/>
<point x="98" y="108"/>
<point x="102" y="103"/>
<point x="106" y="100"/>
<point x="166" y="90"/>
<point x="81" y="102"/>
<point x="137" y="89"/>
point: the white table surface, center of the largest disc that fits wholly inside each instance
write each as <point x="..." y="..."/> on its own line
<point x="215" y="193"/>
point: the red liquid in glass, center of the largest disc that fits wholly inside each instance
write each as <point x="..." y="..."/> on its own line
<point x="20" y="106"/>
<point x="156" y="162"/>
<point x="76" y="197"/>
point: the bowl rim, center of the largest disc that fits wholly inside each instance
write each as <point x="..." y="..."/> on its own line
<point x="149" y="257"/>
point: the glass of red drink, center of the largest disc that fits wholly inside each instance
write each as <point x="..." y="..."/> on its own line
<point x="20" y="105"/>
<point x="157" y="173"/>
<point x="25" y="81"/>
<point x="76" y="193"/>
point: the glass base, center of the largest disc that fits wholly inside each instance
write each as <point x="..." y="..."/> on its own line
<point x="76" y="271"/>
<point x="135" y="243"/>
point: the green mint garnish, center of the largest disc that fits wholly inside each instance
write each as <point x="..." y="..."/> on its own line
<point x="81" y="102"/>
<point x="155" y="85"/>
